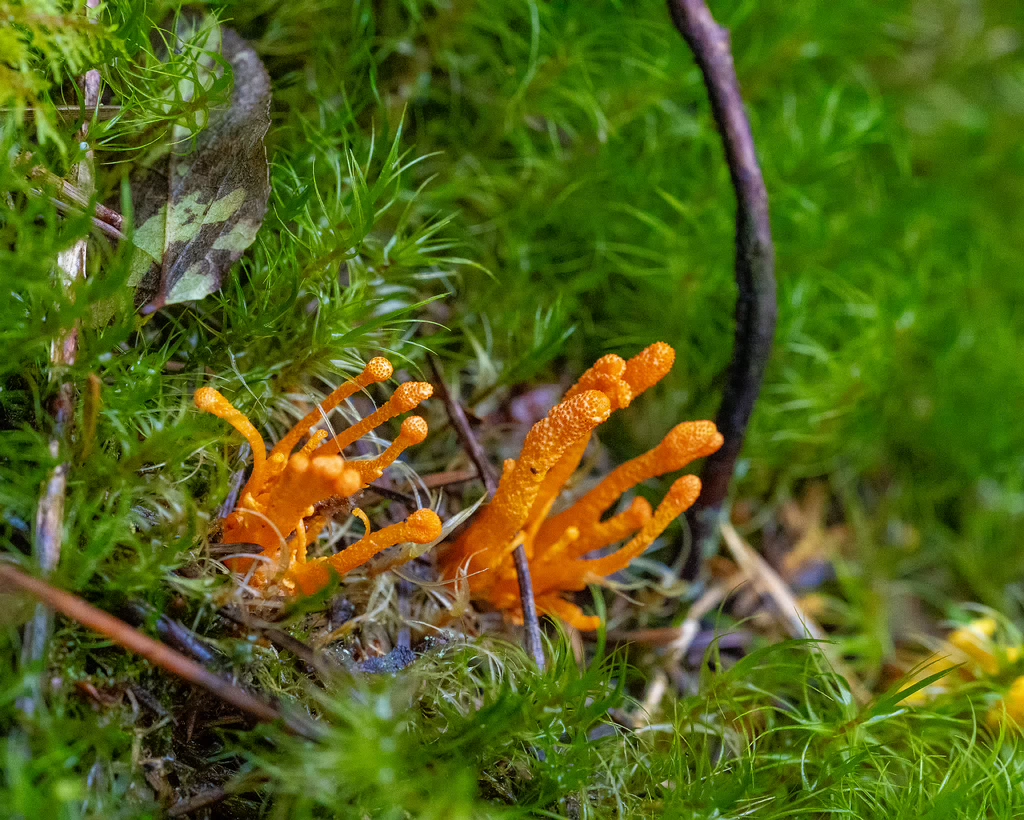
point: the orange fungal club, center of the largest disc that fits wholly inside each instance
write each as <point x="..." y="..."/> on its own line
<point x="557" y="546"/>
<point x="286" y="502"/>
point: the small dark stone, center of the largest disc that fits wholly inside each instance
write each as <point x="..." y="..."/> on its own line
<point x="395" y="661"/>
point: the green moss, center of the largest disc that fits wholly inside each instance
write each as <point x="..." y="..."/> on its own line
<point x="522" y="187"/>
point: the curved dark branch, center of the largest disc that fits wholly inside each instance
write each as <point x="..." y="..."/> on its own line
<point x="755" y="269"/>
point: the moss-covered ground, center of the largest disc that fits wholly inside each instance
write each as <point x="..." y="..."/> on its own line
<point x="520" y="187"/>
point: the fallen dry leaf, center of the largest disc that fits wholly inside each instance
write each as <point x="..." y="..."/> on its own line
<point x="199" y="207"/>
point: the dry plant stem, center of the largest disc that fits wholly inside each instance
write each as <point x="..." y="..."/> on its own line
<point x="71" y="197"/>
<point x="71" y="112"/>
<point x="678" y="645"/>
<point x="798" y="623"/>
<point x="73" y="607"/>
<point x="214" y="795"/>
<point x="106" y="227"/>
<point x="446" y="479"/>
<point x="405" y="590"/>
<point x="391" y="495"/>
<point x="279" y="638"/>
<point x="531" y="622"/>
<point x="197" y="802"/>
<point x="173" y="632"/>
<point x="755" y="270"/>
<point x="534" y="644"/>
<point x="49" y="533"/>
<point x="78" y="196"/>
<point x="653" y="696"/>
<point x="677" y="639"/>
<point x="465" y="433"/>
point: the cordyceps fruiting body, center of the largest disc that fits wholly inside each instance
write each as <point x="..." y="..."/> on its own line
<point x="282" y="508"/>
<point x="557" y="546"/>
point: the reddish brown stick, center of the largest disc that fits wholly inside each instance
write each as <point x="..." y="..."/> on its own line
<point x="73" y="607"/>
<point x="99" y="222"/>
<point x="755" y="270"/>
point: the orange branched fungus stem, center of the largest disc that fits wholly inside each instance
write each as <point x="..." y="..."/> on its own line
<point x="557" y="546"/>
<point x="283" y="506"/>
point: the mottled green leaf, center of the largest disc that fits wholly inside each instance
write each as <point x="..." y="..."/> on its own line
<point x="198" y="208"/>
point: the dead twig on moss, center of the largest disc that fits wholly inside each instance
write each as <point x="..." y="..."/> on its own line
<point x="98" y="222"/>
<point x="77" y="196"/>
<point x="173" y="632"/>
<point x="677" y="639"/>
<point x="279" y="638"/>
<point x="531" y="622"/>
<point x="71" y="112"/>
<point x="197" y="802"/>
<point x="215" y="795"/>
<point x="80" y="611"/>
<point x="755" y="270"/>
<point x="446" y="479"/>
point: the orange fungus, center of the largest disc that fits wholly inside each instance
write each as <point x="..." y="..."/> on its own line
<point x="287" y="500"/>
<point x="558" y="546"/>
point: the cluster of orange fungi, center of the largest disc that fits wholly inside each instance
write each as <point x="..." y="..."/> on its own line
<point x="557" y="545"/>
<point x="283" y="506"/>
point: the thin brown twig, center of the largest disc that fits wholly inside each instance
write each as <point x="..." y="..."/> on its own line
<point x="487" y="473"/>
<point x="679" y="638"/>
<point x="202" y="800"/>
<point x="173" y="632"/>
<point x="755" y="270"/>
<point x="391" y="494"/>
<point x="73" y="198"/>
<point x="405" y="589"/>
<point x="534" y="644"/>
<point x="75" y="608"/>
<point x="279" y="638"/>
<point x="106" y="227"/>
<point x="79" y="197"/>
<point x="447" y="478"/>
<point x="216" y="794"/>
<point x="460" y="422"/>
<point x="70" y="112"/>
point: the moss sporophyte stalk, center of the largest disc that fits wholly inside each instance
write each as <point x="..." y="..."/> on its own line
<point x="284" y="506"/>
